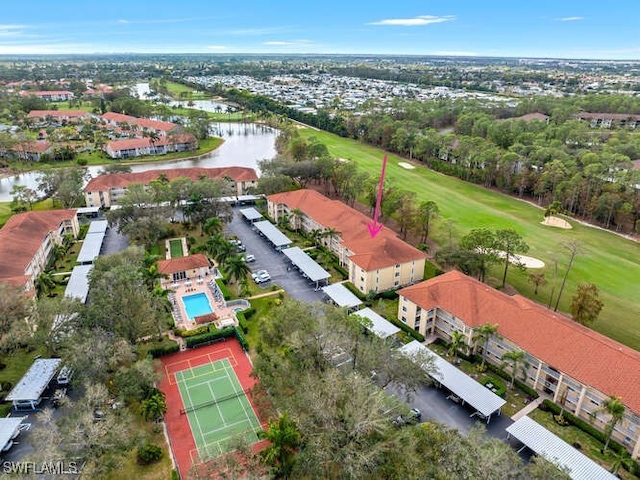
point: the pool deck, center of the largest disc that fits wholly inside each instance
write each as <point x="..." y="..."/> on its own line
<point x="191" y="288"/>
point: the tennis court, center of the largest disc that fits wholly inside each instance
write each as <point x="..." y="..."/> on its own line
<point x="216" y="406"/>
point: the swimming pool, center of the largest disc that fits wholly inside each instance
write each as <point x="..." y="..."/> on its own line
<point x="196" y="305"/>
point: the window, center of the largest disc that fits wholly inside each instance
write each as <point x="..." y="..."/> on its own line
<point x="398" y="265"/>
<point x="396" y="283"/>
<point x="397" y="274"/>
<point x="404" y="319"/>
<point x="404" y="308"/>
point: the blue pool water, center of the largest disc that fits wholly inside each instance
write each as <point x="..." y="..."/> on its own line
<point x="197" y="304"/>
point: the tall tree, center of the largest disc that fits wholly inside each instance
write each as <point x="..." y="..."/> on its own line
<point x="509" y="242"/>
<point x="482" y="243"/>
<point x="458" y="343"/>
<point x="516" y="362"/>
<point x="573" y="247"/>
<point x="427" y="211"/>
<point x="284" y="442"/>
<point x="586" y="304"/>
<point x="236" y="269"/>
<point x="538" y="281"/>
<point x="613" y="407"/>
<point x="482" y="335"/>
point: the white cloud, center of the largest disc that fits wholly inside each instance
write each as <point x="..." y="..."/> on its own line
<point x="455" y="53"/>
<point x="11" y="30"/>
<point x="569" y="19"/>
<point x="216" y="47"/>
<point x="415" y="21"/>
<point x="123" y="21"/>
<point x="280" y="42"/>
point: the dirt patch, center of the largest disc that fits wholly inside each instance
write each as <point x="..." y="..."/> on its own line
<point x="557" y="222"/>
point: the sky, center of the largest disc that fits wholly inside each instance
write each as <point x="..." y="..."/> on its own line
<point x="516" y="28"/>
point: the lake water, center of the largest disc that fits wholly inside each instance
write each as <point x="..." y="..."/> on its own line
<point x="245" y="144"/>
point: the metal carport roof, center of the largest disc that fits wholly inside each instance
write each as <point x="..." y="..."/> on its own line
<point x="34" y="382"/>
<point x="379" y="325"/>
<point x="341" y="295"/>
<point x="91" y="248"/>
<point x="98" y="226"/>
<point x="8" y="428"/>
<point x="307" y="264"/>
<point x="78" y="285"/>
<point x="459" y="383"/>
<point x="250" y="214"/>
<point x="557" y="451"/>
<point x="275" y="236"/>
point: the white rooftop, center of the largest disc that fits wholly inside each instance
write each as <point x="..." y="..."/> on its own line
<point x="8" y="428"/>
<point x="274" y="235"/>
<point x="459" y="383"/>
<point x="78" y="285"/>
<point x="91" y="247"/>
<point x="34" y="382"/>
<point x="84" y="210"/>
<point x="557" y="451"/>
<point x="307" y="264"/>
<point x="379" y="325"/>
<point x="341" y="295"/>
<point x="98" y="226"/>
<point x="251" y="213"/>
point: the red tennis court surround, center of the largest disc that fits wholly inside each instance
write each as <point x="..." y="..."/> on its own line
<point x="181" y="438"/>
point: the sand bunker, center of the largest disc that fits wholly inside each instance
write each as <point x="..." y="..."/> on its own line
<point x="408" y="166"/>
<point x="528" y="262"/>
<point x="557" y="222"/>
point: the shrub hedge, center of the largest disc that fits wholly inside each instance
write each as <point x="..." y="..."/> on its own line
<point x="241" y="339"/>
<point x="223" y="288"/>
<point x="242" y="322"/>
<point x="521" y="385"/>
<point x="417" y="335"/>
<point x="209" y="337"/>
<point x="500" y="386"/>
<point x="161" y="350"/>
<point x="249" y="312"/>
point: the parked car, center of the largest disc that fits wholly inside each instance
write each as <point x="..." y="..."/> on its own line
<point x="65" y="376"/>
<point x="238" y="244"/>
<point x="261" y="276"/>
<point x="249" y="258"/>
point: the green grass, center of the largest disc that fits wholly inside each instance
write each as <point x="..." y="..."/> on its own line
<point x="175" y="247"/>
<point x="218" y="117"/>
<point x="175" y="89"/>
<point x="609" y="261"/>
<point x="17" y="363"/>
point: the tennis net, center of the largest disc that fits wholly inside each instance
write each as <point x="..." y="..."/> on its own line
<point x="213" y="401"/>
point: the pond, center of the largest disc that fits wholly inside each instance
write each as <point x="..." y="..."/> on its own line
<point x="244" y="145"/>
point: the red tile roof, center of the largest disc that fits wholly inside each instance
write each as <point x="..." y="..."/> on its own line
<point x="385" y="250"/>
<point x="22" y="236"/>
<point x="145" y="142"/>
<point x="57" y="113"/>
<point x="182" y="264"/>
<point x="528" y="117"/>
<point x="40" y="146"/>
<point x="142" y="122"/>
<point x="121" y="180"/>
<point x="578" y="351"/>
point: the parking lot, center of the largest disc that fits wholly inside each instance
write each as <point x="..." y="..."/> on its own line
<point x="267" y="258"/>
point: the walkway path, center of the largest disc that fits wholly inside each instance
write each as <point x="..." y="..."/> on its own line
<point x="268" y="294"/>
<point x="530" y="407"/>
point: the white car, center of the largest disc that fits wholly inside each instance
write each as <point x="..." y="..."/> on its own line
<point x="249" y="258"/>
<point x="65" y="376"/>
<point x="261" y="276"/>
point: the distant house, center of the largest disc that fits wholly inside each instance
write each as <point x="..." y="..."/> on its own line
<point x="137" y="147"/>
<point x="609" y="120"/>
<point x="50" y="95"/>
<point x="374" y="264"/>
<point x="31" y="151"/>
<point x="566" y="361"/>
<point x="26" y="242"/>
<point x="59" y="115"/>
<point x="541" y="117"/>
<point x="139" y="124"/>
<point x="106" y="190"/>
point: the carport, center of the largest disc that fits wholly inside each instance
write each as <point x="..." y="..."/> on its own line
<point x="78" y="284"/>
<point x="465" y="388"/>
<point x="251" y="214"/>
<point x="9" y="430"/>
<point x="557" y="451"/>
<point x="26" y="393"/>
<point x="341" y="296"/>
<point x="379" y="325"/>
<point x="275" y="236"/>
<point x="307" y="265"/>
<point x="92" y="243"/>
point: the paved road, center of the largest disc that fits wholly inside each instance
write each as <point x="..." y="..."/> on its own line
<point x="274" y="262"/>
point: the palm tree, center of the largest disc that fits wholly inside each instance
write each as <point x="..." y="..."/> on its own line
<point x="515" y="359"/>
<point x="481" y="337"/>
<point x="330" y="234"/>
<point x="45" y="283"/>
<point x="297" y="214"/>
<point x="225" y="251"/>
<point x="154" y="406"/>
<point x="614" y="407"/>
<point x="237" y="270"/>
<point x="212" y="226"/>
<point x="284" y="440"/>
<point x="458" y="343"/>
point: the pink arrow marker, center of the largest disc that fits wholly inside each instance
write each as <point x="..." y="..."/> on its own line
<point x="375" y="227"/>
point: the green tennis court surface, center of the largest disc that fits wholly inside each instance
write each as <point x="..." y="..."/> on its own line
<point x="217" y="407"/>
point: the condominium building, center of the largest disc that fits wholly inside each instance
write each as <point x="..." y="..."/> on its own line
<point x="570" y="363"/>
<point x="106" y="190"/>
<point x="26" y="242"/>
<point x="374" y="264"/>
